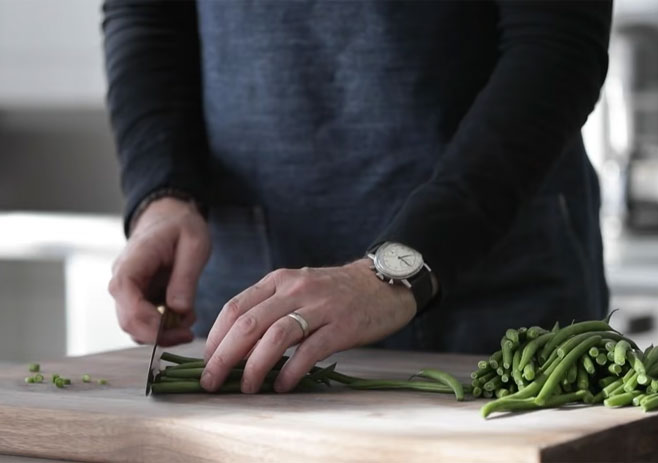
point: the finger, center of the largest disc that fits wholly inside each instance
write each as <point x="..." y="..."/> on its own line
<point x="240" y="339"/>
<point x="175" y="336"/>
<point x="136" y="315"/>
<point x="284" y="333"/>
<point x="313" y="349"/>
<point x="190" y="257"/>
<point x="234" y="309"/>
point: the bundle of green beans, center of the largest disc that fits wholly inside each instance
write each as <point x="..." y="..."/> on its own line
<point x="185" y="373"/>
<point x="587" y="362"/>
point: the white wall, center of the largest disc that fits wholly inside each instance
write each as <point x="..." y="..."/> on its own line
<point x="50" y="53"/>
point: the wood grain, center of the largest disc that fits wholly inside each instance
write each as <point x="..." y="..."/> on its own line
<point x="88" y="422"/>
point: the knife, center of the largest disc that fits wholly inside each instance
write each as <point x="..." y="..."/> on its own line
<point x="168" y="319"/>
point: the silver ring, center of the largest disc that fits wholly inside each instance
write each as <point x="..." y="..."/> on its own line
<point x="303" y="324"/>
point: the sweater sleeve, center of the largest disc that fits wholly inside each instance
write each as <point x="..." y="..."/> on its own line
<point x="154" y="97"/>
<point x="552" y="63"/>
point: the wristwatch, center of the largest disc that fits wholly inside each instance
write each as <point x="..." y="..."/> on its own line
<point x="398" y="263"/>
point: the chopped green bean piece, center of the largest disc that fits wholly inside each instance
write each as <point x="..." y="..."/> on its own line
<point x="594" y="352"/>
<point x="38" y="378"/>
<point x="101" y="381"/>
<point x="29" y="379"/>
<point x="34" y="367"/>
<point x="59" y="382"/>
<point x="601" y="359"/>
<point x="86" y="378"/>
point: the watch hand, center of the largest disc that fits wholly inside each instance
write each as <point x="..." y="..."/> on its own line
<point x="402" y="259"/>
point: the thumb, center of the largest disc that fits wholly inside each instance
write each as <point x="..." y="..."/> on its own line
<point x="191" y="255"/>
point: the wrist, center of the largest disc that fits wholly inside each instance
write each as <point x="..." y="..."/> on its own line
<point x="166" y="199"/>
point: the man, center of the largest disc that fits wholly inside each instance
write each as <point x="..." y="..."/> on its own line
<point x="311" y="133"/>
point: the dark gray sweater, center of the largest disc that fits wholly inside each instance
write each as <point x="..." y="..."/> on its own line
<point x="452" y="127"/>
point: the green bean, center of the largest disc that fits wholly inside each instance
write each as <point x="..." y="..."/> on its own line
<point x="512" y="335"/>
<point x="576" y="328"/>
<point x="650" y="403"/>
<point x="598" y="398"/>
<point x="529" y="371"/>
<point x="603" y="382"/>
<point x="500" y="371"/>
<point x="610" y="345"/>
<point x="101" y="381"/>
<point x="493" y="384"/>
<point x="532" y="347"/>
<point x="479" y="373"/>
<point x="477" y="391"/>
<point x="173" y="358"/>
<point x="535" y="331"/>
<point x="184" y="387"/>
<point x="635" y="361"/>
<point x="582" y="378"/>
<point x="34" y="367"/>
<point x="601" y="359"/>
<point x="566" y="386"/>
<point x="495" y="359"/>
<point x="620" y="352"/>
<point x="607" y="390"/>
<point x="614" y="369"/>
<point x="570" y="343"/>
<point x="508" y="347"/>
<point x="86" y="378"/>
<point x="631" y="383"/>
<point x="572" y="373"/>
<point x="563" y="367"/>
<point x="443" y="378"/>
<point x="637" y="399"/>
<point x="38" y="378"/>
<point x="487" y="394"/>
<point x="556" y="327"/>
<point x="654" y="384"/>
<point x="587" y="364"/>
<point x="183" y="366"/>
<point x="485" y="378"/>
<point x="379" y="384"/>
<point x="185" y="373"/>
<point x="642" y="379"/>
<point x="621" y="400"/>
<point x="502" y="392"/>
<point x="29" y="379"/>
<point x="650" y="357"/>
<point x="504" y="378"/>
<point x="509" y="404"/>
<point x="483" y="365"/>
<point x="611" y="356"/>
<point x="593" y="352"/>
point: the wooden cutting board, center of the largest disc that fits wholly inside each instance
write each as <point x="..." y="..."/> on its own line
<point x="88" y="422"/>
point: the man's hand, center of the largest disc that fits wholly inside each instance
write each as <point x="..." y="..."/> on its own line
<point x="344" y="306"/>
<point x="161" y="263"/>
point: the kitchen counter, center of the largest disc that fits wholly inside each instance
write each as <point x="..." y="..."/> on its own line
<point x="88" y="422"/>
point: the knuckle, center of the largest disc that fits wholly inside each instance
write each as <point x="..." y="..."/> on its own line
<point x="281" y="275"/>
<point x="277" y="334"/>
<point x="246" y="324"/>
<point x="232" y="309"/>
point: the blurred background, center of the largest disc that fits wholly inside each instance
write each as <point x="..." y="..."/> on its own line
<point x="60" y="203"/>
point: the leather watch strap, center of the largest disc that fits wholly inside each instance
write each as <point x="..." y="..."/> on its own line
<point x="421" y="287"/>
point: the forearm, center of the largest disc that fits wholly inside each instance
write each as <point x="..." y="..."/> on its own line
<point x="154" y="97"/>
<point x="552" y="63"/>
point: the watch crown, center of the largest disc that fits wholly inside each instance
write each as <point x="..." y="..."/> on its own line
<point x="372" y="266"/>
<point x="380" y="276"/>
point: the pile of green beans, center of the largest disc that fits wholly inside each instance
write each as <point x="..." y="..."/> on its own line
<point x="185" y="373"/>
<point x="586" y="362"/>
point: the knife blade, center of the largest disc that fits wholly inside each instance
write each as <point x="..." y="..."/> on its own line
<point x="168" y="319"/>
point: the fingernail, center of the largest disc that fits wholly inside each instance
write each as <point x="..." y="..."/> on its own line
<point x="207" y="381"/>
<point x="181" y="300"/>
<point x="278" y="386"/>
<point x="247" y="387"/>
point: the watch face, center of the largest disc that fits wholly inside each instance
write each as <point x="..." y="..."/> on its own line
<point x="396" y="260"/>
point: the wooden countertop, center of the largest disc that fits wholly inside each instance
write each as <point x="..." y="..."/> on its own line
<point x="88" y="422"/>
